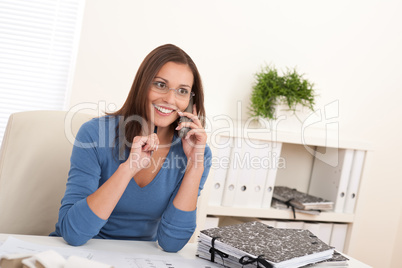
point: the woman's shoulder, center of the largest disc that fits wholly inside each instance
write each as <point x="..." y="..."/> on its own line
<point x="96" y="127"/>
<point x="99" y="122"/>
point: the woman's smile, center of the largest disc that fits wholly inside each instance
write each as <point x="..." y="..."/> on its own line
<point x="163" y="110"/>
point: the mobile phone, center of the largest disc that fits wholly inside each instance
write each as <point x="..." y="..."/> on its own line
<point x="183" y="132"/>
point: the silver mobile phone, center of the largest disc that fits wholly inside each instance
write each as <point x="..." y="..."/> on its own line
<point x="183" y="132"/>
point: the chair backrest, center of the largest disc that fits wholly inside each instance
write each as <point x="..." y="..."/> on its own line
<point x="34" y="164"/>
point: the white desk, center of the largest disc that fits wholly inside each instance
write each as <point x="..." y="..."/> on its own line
<point x="187" y="254"/>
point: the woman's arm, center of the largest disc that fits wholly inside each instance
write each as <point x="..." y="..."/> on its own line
<point x="86" y="206"/>
<point x="179" y="220"/>
<point x="194" y="147"/>
<point x="186" y="198"/>
<point x="77" y="223"/>
<point x="104" y="200"/>
<point x="177" y="224"/>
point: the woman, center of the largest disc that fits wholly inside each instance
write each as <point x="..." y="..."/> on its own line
<point x="131" y="175"/>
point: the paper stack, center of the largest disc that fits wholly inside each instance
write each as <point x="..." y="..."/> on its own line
<point x="257" y="244"/>
<point x="300" y="200"/>
<point x="282" y="205"/>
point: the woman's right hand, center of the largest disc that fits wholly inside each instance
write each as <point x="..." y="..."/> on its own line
<point x="141" y="152"/>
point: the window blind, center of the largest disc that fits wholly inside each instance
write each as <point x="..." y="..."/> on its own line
<point x="38" y="48"/>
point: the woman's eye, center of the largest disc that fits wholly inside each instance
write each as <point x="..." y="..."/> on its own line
<point x="160" y="84"/>
<point x="182" y="91"/>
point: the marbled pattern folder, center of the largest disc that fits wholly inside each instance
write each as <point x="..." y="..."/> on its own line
<point x="280" y="247"/>
<point x="301" y="200"/>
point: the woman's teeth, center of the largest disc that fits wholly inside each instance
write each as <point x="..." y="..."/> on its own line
<point x="163" y="110"/>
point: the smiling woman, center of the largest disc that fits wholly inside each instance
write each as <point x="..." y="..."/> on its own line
<point x="168" y="101"/>
<point x="123" y="190"/>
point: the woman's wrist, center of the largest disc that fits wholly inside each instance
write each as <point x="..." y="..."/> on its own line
<point x="197" y="166"/>
<point x="128" y="169"/>
<point x="196" y="158"/>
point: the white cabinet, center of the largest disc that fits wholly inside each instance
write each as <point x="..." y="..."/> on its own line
<point x="249" y="161"/>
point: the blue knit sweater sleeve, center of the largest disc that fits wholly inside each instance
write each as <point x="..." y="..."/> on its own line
<point x="77" y="222"/>
<point x="177" y="226"/>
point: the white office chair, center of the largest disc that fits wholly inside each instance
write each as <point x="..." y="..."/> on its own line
<point x="34" y="163"/>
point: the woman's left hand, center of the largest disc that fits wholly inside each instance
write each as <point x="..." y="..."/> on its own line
<point x="195" y="140"/>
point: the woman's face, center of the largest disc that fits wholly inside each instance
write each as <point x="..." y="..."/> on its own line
<point x="163" y="107"/>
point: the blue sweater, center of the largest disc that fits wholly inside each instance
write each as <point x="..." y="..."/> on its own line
<point x="144" y="213"/>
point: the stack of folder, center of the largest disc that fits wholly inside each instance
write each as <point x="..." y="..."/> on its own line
<point x="256" y="244"/>
<point x="301" y="201"/>
<point x="285" y="206"/>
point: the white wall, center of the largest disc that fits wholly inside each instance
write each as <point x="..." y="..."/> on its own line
<point x="350" y="49"/>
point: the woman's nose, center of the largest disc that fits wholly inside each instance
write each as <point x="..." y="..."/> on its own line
<point x="170" y="96"/>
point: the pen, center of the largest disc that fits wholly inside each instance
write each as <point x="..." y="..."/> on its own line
<point x="155" y="131"/>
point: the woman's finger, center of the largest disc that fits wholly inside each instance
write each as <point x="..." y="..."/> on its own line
<point x="146" y="143"/>
<point x="196" y="137"/>
<point x="139" y="141"/>
<point x="151" y="143"/>
<point x="191" y="125"/>
<point x="192" y="116"/>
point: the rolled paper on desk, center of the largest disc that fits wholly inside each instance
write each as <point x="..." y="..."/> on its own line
<point x="48" y="259"/>
<point x="45" y="259"/>
<point x="13" y="260"/>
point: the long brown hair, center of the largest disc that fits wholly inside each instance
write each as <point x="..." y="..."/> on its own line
<point x="137" y="99"/>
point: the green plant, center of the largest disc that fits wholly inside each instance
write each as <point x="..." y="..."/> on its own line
<point x="272" y="89"/>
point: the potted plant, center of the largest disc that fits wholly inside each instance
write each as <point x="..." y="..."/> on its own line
<point x="272" y="90"/>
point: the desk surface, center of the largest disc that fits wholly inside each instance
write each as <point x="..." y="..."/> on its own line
<point x="187" y="254"/>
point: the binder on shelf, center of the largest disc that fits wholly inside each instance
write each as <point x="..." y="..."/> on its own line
<point x="330" y="181"/>
<point x="282" y="224"/>
<point x="289" y="224"/>
<point x="325" y="232"/>
<point x="269" y="222"/>
<point x="276" y="148"/>
<point x="259" y="160"/>
<point x="232" y="174"/>
<point x="219" y="176"/>
<point x="354" y="181"/>
<point x="313" y="227"/>
<point x="338" y="236"/>
<point x="211" y="222"/>
<point x="256" y="243"/>
<point x="295" y="225"/>
<point x="245" y="172"/>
